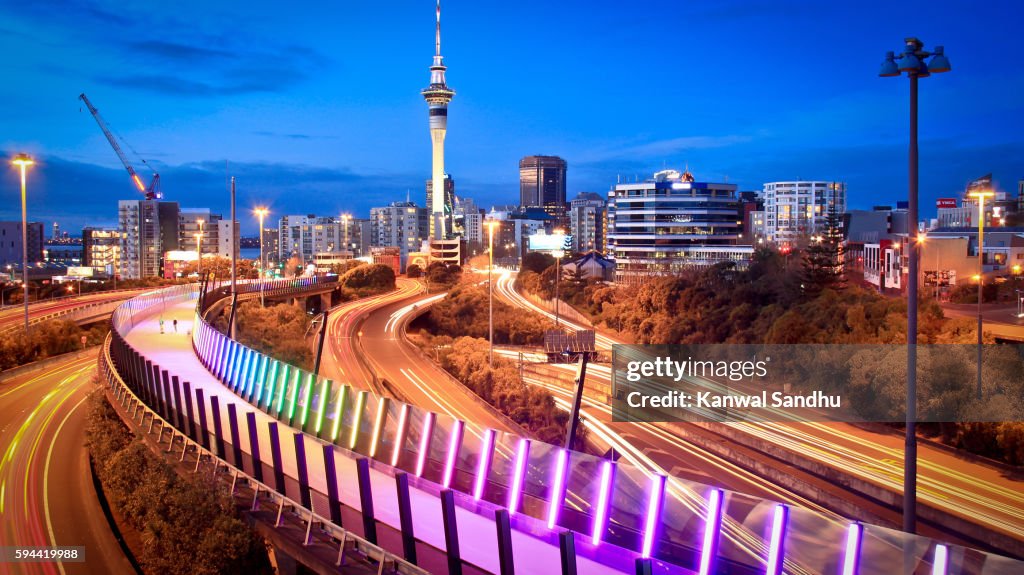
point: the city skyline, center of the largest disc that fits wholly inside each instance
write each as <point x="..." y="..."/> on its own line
<point x="317" y="125"/>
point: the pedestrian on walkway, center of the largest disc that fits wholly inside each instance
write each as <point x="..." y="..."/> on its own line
<point x="175" y="322"/>
<point x="161" y="325"/>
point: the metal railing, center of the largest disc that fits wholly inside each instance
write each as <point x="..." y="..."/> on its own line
<point x="348" y="542"/>
<point x="619" y="505"/>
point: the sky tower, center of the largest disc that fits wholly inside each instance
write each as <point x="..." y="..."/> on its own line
<point x="437" y="95"/>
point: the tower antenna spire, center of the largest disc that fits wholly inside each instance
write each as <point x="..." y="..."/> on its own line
<point x="437" y="36"/>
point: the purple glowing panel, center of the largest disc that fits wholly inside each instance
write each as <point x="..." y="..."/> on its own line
<point x="519" y="471"/>
<point x="940" y="564"/>
<point x="484" y="464"/>
<point x="453" y="453"/>
<point x="712" y="526"/>
<point x="851" y="559"/>
<point x="557" y="487"/>
<point x="780" y="518"/>
<point x="604" y="496"/>
<point x="653" y="518"/>
<point x="428" y="430"/>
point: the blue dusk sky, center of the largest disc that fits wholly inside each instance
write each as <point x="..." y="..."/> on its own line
<point x="315" y="106"/>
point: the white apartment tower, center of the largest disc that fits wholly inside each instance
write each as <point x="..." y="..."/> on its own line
<point x="798" y="209"/>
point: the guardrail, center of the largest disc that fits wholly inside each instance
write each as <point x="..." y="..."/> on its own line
<point x="269" y="288"/>
<point x="84" y="311"/>
<point x="348" y="543"/>
<point x="619" y="506"/>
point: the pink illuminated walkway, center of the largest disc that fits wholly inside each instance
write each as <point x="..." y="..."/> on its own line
<point x="477" y="539"/>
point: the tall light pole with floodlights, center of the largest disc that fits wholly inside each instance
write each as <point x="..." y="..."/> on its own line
<point x="911" y="62"/>
<point x="490" y="288"/>
<point x="261" y="212"/>
<point x="980" y="195"/>
<point x="23" y="162"/>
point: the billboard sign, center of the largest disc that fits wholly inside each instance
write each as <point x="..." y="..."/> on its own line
<point x="548" y="242"/>
<point x="80" y="272"/>
<point x="945" y="203"/>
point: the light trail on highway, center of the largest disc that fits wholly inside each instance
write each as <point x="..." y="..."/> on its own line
<point x="47" y="497"/>
<point x="984" y="495"/>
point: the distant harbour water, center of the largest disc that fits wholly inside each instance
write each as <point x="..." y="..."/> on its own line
<point x="249" y="253"/>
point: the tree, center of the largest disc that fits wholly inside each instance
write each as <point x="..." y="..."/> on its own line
<point x="823" y="258"/>
<point x="369" y="279"/>
<point x="438" y="272"/>
<point x="344" y="267"/>
<point x="537" y="262"/>
<point x="413" y="271"/>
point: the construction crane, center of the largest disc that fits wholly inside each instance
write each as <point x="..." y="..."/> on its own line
<point x="152" y="191"/>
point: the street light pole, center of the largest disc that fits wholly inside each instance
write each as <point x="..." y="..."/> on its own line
<point x="234" y="263"/>
<point x="261" y="212"/>
<point x="490" y="290"/>
<point x="199" y="249"/>
<point x="911" y="62"/>
<point x="980" y="195"/>
<point x="23" y="162"/>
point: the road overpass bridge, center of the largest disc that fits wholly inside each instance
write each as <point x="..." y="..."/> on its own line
<point x="477" y="500"/>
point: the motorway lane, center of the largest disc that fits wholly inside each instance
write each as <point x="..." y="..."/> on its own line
<point x="47" y="496"/>
<point x="377" y="331"/>
<point x="340" y="360"/>
<point x="983" y="494"/>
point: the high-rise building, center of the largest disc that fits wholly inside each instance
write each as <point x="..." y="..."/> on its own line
<point x="305" y="236"/>
<point x="542" y="183"/>
<point x="271" y="245"/>
<point x="671" y="223"/>
<point x="437" y="95"/>
<point x="401" y="225"/>
<point x="469" y="221"/>
<point x="148" y="229"/>
<point x="100" y="248"/>
<point x="449" y="203"/>
<point x="10" y="243"/>
<point x="796" y="210"/>
<point x="216" y="232"/>
<point x="587" y="217"/>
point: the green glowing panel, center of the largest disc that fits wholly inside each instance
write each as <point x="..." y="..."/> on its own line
<point x="293" y="396"/>
<point x="325" y="394"/>
<point x="268" y="392"/>
<point x="339" y="406"/>
<point x="281" y="392"/>
<point x="357" y="417"/>
<point x="307" y="398"/>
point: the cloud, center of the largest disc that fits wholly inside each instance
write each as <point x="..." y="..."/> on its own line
<point x="270" y="134"/>
<point x="178" y="52"/>
<point x="77" y="194"/>
<point x="662" y="149"/>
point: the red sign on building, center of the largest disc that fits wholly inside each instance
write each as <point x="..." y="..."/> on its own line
<point x="945" y="203"/>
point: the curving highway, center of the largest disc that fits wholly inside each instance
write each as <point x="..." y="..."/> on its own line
<point x="374" y="329"/>
<point x="46" y="490"/>
<point x="983" y="494"/>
